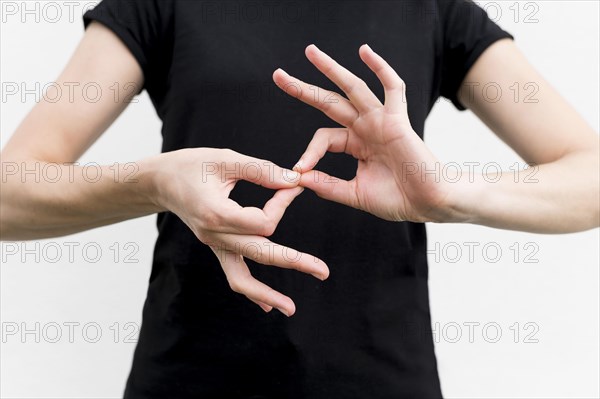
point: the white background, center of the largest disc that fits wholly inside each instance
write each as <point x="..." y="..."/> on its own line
<point x="558" y="295"/>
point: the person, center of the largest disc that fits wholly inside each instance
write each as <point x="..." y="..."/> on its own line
<point x="357" y="326"/>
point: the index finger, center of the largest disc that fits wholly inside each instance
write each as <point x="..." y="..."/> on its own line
<point x="355" y="88"/>
<point x="330" y="103"/>
<point x="259" y="171"/>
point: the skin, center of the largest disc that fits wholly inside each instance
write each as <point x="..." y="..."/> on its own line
<point x="379" y="136"/>
<point x="549" y="134"/>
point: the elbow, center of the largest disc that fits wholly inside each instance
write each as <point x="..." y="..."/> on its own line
<point x="591" y="171"/>
<point x="581" y="192"/>
<point x="595" y="211"/>
<point x="9" y="230"/>
<point x="595" y="187"/>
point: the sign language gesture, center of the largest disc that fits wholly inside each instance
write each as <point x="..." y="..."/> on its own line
<point x="389" y="182"/>
<point x="195" y="184"/>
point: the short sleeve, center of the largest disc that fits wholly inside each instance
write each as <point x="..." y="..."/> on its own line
<point x="467" y="31"/>
<point x="145" y="26"/>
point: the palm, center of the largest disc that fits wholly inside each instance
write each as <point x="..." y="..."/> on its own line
<point x="376" y="191"/>
<point x="390" y="155"/>
<point x="381" y="186"/>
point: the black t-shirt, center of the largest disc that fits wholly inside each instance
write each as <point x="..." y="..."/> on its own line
<point x="366" y="331"/>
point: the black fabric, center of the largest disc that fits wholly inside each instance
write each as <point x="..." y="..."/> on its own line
<point x="146" y="27"/>
<point x="363" y="333"/>
<point x="467" y="33"/>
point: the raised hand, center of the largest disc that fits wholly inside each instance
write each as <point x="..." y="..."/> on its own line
<point x="390" y="181"/>
<point x="195" y="184"/>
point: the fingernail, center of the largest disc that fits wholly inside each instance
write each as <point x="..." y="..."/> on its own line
<point x="284" y="312"/>
<point x="368" y="47"/>
<point x="279" y="69"/>
<point x="290" y="175"/>
<point x="298" y="166"/>
<point x="294" y="175"/>
<point x="319" y="276"/>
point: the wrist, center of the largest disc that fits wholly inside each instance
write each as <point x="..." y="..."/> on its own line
<point x="462" y="201"/>
<point x="150" y="187"/>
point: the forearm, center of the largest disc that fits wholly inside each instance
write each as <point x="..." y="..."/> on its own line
<point x="561" y="197"/>
<point x="41" y="200"/>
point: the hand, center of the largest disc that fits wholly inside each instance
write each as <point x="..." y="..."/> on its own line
<point x="195" y="185"/>
<point x="390" y="181"/>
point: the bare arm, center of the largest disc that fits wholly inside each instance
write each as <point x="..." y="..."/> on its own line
<point x="548" y="133"/>
<point x="390" y="182"/>
<point x="58" y="133"/>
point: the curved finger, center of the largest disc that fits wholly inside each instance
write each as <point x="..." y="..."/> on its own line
<point x="266" y="252"/>
<point x="241" y="281"/>
<point x="392" y="83"/>
<point x="263" y="306"/>
<point x="355" y="88"/>
<point x="325" y="140"/>
<point x="275" y="208"/>
<point x="330" y="103"/>
<point x="255" y="221"/>
<point x="259" y="171"/>
<point x="331" y="188"/>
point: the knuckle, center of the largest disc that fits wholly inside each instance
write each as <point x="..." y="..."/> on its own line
<point x="255" y="252"/>
<point x="235" y="285"/>
<point x="321" y="133"/>
<point x="204" y="236"/>
<point x="228" y="155"/>
<point x="324" y="106"/>
<point x="269" y="228"/>
<point x="355" y="85"/>
<point x="399" y="84"/>
<point x="349" y="88"/>
<point x="239" y="282"/>
<point x="211" y="220"/>
<point x="293" y="260"/>
<point x="227" y="151"/>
